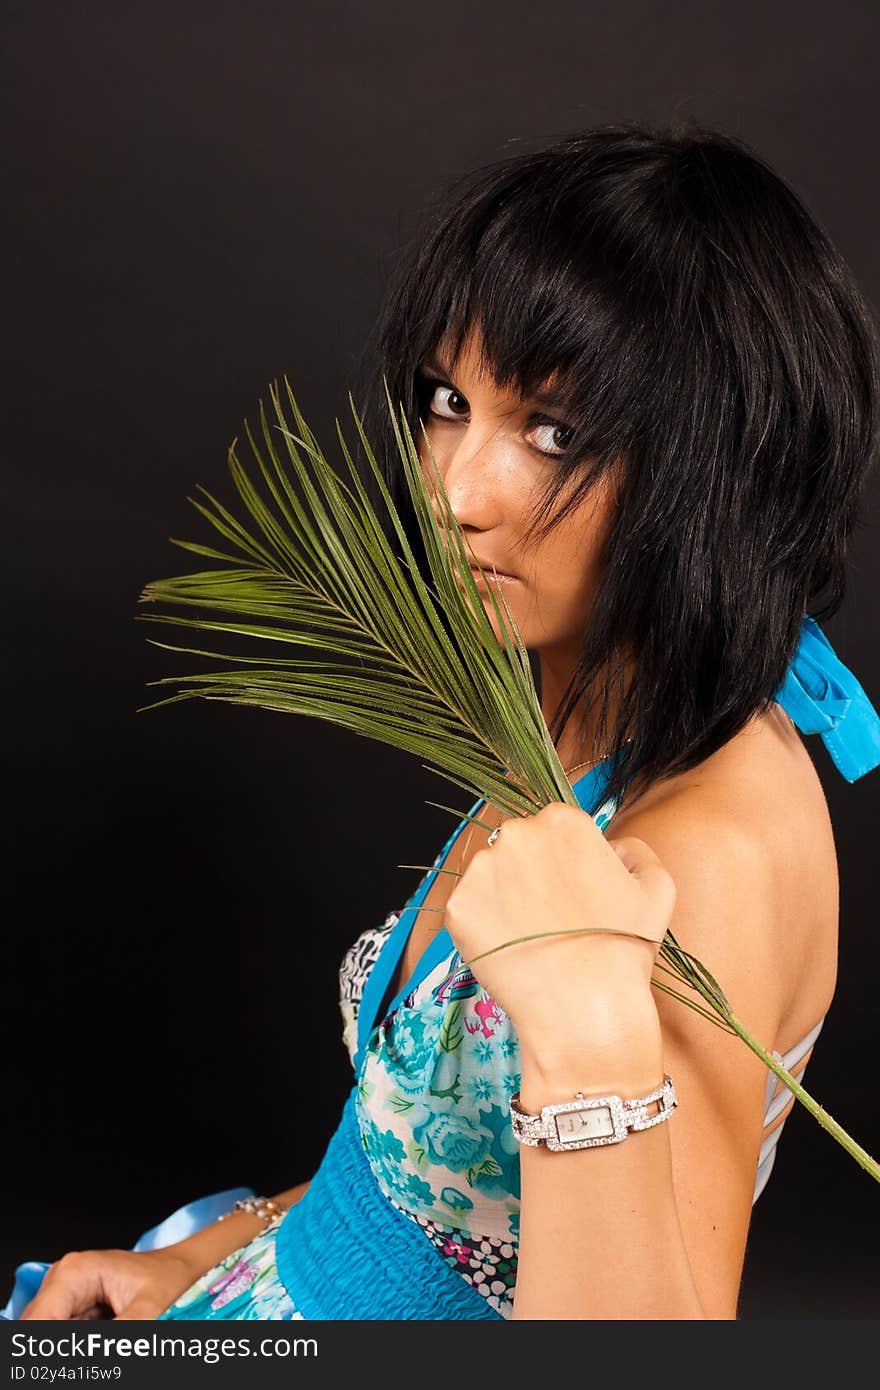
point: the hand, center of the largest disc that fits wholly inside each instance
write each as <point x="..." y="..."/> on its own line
<point x="92" y="1284"/>
<point x="556" y="871"/>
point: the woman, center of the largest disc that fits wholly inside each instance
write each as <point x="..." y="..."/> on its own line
<point x="651" y="389"/>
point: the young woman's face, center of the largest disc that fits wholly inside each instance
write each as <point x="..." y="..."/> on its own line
<point x="494" y="452"/>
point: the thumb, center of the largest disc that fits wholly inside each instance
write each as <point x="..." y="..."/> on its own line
<point x="637" y="855"/>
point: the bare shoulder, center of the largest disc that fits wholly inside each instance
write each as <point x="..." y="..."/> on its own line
<point x="752" y="824"/>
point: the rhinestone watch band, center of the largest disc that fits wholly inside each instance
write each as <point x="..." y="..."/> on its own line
<point x="585" y="1123"/>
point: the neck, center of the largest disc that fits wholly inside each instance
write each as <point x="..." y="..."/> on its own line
<point x="578" y="741"/>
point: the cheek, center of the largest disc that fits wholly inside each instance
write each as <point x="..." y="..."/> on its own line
<point x="566" y="575"/>
<point x="566" y="567"/>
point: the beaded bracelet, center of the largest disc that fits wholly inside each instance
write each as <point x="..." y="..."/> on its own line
<point x="263" y="1207"/>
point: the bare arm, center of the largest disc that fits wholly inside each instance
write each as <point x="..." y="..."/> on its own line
<point x="600" y="1235"/>
<point x="656" y="1227"/>
<point x="205" y="1248"/>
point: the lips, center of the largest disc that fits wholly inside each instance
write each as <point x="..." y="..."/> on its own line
<point x="481" y="580"/>
<point x="504" y="576"/>
<point x="487" y="566"/>
<point x="499" y="576"/>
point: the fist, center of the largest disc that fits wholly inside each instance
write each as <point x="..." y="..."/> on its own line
<point x="555" y="872"/>
<point x="100" y="1284"/>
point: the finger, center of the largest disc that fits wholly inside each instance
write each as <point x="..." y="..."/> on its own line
<point x="141" y="1309"/>
<point x="98" y="1312"/>
<point x="51" y="1305"/>
<point x="68" y="1286"/>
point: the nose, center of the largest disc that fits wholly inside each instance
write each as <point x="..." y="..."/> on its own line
<point x="471" y="471"/>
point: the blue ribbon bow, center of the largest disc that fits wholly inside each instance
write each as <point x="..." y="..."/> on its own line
<point x="823" y="697"/>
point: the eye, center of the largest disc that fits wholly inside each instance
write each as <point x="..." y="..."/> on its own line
<point x="442" y="401"/>
<point x="550" y="436"/>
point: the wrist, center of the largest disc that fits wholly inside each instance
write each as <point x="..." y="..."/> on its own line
<point x="624" y="1057"/>
<point x="616" y="988"/>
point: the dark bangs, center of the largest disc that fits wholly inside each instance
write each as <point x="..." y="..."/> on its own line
<point x="511" y="252"/>
<point x="695" y="324"/>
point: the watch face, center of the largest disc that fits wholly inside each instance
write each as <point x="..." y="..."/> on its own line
<point x="573" y="1126"/>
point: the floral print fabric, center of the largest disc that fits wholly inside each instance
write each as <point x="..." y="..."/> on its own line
<point x="244" y="1285"/>
<point x="433" y="1107"/>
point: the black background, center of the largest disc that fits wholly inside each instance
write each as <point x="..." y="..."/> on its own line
<point x="200" y="198"/>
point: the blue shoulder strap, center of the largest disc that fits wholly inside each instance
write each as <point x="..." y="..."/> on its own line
<point x="385" y="965"/>
<point x="822" y="696"/>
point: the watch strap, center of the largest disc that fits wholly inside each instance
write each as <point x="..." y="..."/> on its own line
<point x="591" y="1121"/>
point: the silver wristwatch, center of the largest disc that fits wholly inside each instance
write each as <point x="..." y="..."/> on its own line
<point x="584" y="1123"/>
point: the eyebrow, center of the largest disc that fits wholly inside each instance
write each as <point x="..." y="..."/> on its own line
<point x="431" y="364"/>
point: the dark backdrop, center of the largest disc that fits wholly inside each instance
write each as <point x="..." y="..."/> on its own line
<point x="202" y="197"/>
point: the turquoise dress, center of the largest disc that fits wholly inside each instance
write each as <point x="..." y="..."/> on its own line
<point x="415" y="1211"/>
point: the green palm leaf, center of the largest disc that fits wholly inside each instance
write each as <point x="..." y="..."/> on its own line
<point x="414" y="665"/>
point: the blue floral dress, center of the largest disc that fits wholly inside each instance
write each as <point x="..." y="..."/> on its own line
<point x="434" y="1082"/>
<point x="434" y="1085"/>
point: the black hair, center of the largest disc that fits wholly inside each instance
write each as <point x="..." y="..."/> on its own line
<point x="699" y="326"/>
